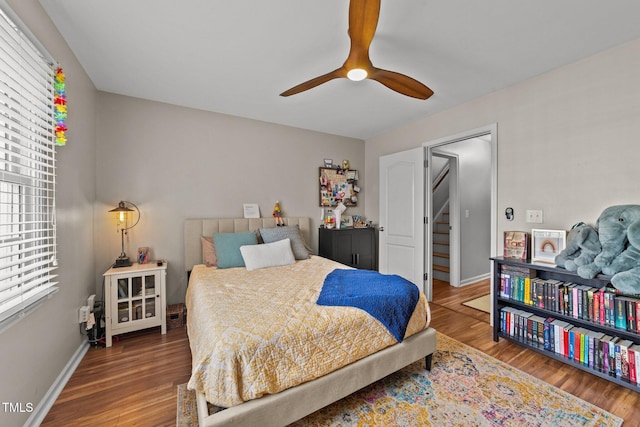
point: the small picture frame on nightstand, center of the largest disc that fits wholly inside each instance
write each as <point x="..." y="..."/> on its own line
<point x="143" y="255"/>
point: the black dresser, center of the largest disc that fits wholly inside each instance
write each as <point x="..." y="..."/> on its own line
<point x="355" y="247"/>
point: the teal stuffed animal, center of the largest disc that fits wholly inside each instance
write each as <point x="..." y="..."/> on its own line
<point x="617" y="227"/>
<point x="627" y="280"/>
<point x="583" y="245"/>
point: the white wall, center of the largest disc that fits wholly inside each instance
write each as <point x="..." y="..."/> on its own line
<point x="37" y="347"/>
<point x="567" y="140"/>
<point x="176" y="163"/>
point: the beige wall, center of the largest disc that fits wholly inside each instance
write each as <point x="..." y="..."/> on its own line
<point x="176" y="163"/>
<point x="568" y="140"/>
<point x="36" y="348"/>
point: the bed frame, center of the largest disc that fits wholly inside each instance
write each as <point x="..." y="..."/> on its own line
<point x="296" y="402"/>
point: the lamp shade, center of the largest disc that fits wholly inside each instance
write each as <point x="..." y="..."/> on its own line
<point x="121" y="208"/>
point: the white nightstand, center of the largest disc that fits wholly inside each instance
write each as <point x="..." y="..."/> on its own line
<point x="135" y="298"/>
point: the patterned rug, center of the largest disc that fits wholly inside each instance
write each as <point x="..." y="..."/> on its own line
<point x="465" y="388"/>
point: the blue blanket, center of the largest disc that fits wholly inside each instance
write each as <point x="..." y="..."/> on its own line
<point x="389" y="298"/>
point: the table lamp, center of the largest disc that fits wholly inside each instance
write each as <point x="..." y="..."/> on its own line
<point x="122" y="210"/>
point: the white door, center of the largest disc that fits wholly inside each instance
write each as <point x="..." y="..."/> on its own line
<point x="402" y="231"/>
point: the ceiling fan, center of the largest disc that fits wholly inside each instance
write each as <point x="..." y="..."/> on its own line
<point x="363" y="20"/>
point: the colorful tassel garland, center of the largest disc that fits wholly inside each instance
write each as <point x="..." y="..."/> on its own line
<point x="60" y="112"/>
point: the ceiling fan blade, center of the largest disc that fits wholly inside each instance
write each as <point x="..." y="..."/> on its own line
<point x="401" y="83"/>
<point x="363" y="20"/>
<point x="340" y="72"/>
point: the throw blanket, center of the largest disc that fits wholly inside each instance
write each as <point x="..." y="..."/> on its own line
<point x="388" y="298"/>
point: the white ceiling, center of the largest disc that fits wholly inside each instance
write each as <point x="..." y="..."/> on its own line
<point x="236" y="56"/>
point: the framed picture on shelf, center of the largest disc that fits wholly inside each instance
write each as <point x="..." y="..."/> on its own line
<point x="346" y="222"/>
<point x="143" y="255"/>
<point x="547" y="244"/>
<point x="251" y="210"/>
<point x="516" y="245"/>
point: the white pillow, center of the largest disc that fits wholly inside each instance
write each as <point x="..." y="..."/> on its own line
<point x="267" y="255"/>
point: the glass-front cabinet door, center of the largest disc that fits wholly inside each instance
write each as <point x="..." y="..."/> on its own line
<point x="137" y="298"/>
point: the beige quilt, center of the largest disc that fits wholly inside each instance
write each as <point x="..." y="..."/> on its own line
<point x="259" y="332"/>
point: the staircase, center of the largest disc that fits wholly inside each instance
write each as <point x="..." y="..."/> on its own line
<point x="440" y="260"/>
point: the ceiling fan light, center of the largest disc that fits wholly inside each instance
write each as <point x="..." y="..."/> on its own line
<point x="357" y="74"/>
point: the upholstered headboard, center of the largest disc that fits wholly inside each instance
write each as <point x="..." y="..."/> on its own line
<point x="194" y="229"/>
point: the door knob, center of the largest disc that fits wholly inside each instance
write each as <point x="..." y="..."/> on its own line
<point x="381" y="229"/>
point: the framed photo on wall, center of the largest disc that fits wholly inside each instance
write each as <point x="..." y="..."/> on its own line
<point x="547" y="244"/>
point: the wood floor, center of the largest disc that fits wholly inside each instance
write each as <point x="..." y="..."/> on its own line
<point x="134" y="382"/>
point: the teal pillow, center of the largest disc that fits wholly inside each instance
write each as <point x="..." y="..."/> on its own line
<point x="228" y="247"/>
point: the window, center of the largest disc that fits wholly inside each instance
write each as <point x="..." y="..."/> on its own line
<point x="27" y="172"/>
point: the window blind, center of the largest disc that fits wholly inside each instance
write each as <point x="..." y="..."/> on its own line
<point x="27" y="173"/>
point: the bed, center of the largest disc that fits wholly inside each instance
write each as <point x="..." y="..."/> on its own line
<point x="256" y="400"/>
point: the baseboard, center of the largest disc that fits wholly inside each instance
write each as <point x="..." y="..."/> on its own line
<point x="475" y="279"/>
<point x="42" y="409"/>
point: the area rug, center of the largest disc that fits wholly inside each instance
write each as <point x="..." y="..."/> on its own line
<point x="483" y="303"/>
<point x="465" y="388"/>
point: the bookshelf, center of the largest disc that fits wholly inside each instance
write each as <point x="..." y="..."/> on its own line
<point x="581" y="322"/>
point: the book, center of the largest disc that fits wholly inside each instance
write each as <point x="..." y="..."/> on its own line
<point x="548" y="333"/>
<point x="620" y="313"/>
<point x="605" y="353"/>
<point x="551" y="292"/>
<point x="596" y="306"/>
<point x="514" y="281"/>
<point x="592" y="348"/>
<point x="538" y="331"/>
<point x="601" y="297"/>
<point x="612" y="355"/>
<point x="537" y="285"/>
<point x="574" y="301"/>
<point x="630" y="312"/>
<point x="522" y="325"/>
<point x="590" y="314"/>
<point x="559" y="326"/>
<point x="603" y="349"/>
<point x="633" y="349"/>
<point x="578" y="344"/>
<point x="636" y="352"/>
<point x="609" y="309"/>
<point x="622" y="359"/>
<point x="505" y="320"/>
<point x="568" y="298"/>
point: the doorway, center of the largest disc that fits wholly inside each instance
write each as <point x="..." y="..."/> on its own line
<point x="406" y="209"/>
<point x="463" y="213"/>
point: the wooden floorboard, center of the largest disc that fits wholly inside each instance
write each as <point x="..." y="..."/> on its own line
<point x="134" y="382"/>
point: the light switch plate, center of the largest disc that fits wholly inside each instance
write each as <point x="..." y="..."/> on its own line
<point x="534" y="216"/>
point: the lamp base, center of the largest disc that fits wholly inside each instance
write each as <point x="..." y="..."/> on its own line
<point x="122" y="262"/>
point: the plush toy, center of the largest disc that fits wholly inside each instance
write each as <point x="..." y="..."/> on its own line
<point x="628" y="281"/>
<point x="582" y="247"/>
<point x="615" y="225"/>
